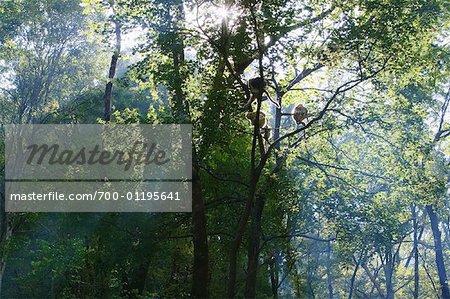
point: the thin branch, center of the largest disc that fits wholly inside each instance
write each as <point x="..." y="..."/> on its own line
<point x="341" y="89"/>
<point x="342" y="168"/>
<point x="290" y="236"/>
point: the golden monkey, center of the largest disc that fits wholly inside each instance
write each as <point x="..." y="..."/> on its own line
<point x="257" y="88"/>
<point x="264" y="131"/>
<point x="252" y="117"/>
<point x="299" y="114"/>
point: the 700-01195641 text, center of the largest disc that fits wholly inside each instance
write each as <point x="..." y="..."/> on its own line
<point x="98" y="195"/>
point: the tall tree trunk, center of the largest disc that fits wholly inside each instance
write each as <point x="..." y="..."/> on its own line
<point x="107" y="98"/>
<point x="388" y="273"/>
<point x="236" y="243"/>
<point x="434" y="222"/>
<point x="274" y="273"/>
<point x="352" y="280"/>
<point x="373" y="279"/>
<point x="278" y="166"/>
<point x="200" y="271"/>
<point x="5" y="233"/>
<point x="200" y="239"/>
<point x="329" y="275"/>
<point x="255" y="228"/>
<point x="255" y="174"/>
<point x="277" y="120"/>
<point x="6" y="229"/>
<point x="416" y="254"/>
<point x="253" y="248"/>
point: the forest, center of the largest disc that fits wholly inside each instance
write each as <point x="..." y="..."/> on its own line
<point x="320" y="145"/>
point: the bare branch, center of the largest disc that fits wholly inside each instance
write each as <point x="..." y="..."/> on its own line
<point x="341" y="89"/>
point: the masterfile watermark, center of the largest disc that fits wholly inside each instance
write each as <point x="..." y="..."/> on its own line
<point x="140" y="153"/>
<point x="45" y="161"/>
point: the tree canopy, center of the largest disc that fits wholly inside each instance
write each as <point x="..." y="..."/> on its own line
<point x="351" y="201"/>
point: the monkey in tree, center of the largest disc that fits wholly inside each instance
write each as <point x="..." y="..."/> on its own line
<point x="261" y="123"/>
<point x="257" y="88"/>
<point x="299" y="114"/>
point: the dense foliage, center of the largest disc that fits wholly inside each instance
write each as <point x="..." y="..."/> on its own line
<point x="353" y="203"/>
